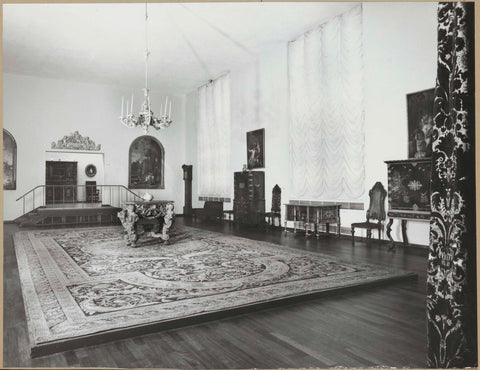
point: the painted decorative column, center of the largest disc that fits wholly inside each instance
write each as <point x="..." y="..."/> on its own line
<point x="451" y="281"/>
<point x="187" y="177"/>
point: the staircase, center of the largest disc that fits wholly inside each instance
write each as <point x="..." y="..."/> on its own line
<point x="101" y="211"/>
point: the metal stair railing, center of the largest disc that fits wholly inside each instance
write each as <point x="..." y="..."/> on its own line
<point x="76" y="196"/>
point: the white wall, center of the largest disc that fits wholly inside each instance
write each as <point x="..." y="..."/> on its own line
<point x="400" y="58"/>
<point x="38" y="111"/>
<point x="400" y="43"/>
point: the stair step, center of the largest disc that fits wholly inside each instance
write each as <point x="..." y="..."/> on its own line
<point x="69" y="216"/>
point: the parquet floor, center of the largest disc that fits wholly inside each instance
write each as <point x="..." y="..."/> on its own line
<point x="380" y="326"/>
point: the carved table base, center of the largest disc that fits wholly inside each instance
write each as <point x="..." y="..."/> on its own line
<point x="135" y="215"/>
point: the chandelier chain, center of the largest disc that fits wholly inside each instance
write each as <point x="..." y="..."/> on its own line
<point x="146" y="118"/>
<point x="147" y="52"/>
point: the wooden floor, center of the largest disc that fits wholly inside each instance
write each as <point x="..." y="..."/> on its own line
<point x="381" y="326"/>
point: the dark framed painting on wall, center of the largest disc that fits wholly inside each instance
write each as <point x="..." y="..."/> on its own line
<point x="9" y="161"/>
<point x="420" y="123"/>
<point x="146" y="164"/>
<point x="256" y="149"/>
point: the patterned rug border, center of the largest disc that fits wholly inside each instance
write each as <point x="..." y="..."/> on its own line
<point x="148" y="316"/>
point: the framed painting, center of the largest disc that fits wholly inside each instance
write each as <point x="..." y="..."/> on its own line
<point x="146" y="164"/>
<point x="420" y="123"/>
<point x="256" y="149"/>
<point x="9" y="161"/>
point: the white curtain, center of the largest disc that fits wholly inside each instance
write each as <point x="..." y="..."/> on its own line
<point x="327" y="110"/>
<point x="213" y="145"/>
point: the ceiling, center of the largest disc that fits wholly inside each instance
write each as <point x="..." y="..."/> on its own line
<point x="189" y="43"/>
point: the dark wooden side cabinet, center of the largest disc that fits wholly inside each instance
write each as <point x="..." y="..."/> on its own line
<point x="408" y="192"/>
<point x="61" y="181"/>
<point x="249" y="197"/>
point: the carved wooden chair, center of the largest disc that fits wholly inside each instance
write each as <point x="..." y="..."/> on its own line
<point x="92" y="192"/>
<point x="275" y="212"/>
<point x="376" y="211"/>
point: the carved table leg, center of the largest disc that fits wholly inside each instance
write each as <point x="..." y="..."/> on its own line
<point x="128" y="218"/>
<point x="389" y="233"/>
<point x="404" y="232"/>
<point x="167" y="223"/>
<point x="131" y="236"/>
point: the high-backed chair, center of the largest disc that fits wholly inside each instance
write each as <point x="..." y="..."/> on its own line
<point x="92" y="191"/>
<point x="275" y="212"/>
<point x="376" y="211"/>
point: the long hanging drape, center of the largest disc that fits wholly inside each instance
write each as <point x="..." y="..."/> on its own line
<point x="451" y="285"/>
<point x="327" y="110"/>
<point x="213" y="144"/>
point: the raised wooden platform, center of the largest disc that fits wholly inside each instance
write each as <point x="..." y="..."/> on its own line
<point x="70" y="214"/>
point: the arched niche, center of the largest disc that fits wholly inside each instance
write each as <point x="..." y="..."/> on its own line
<point x="9" y="161"/>
<point x="146" y="164"/>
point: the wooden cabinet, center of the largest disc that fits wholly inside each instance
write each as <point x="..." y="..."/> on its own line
<point x="408" y="192"/>
<point x="61" y="181"/>
<point x="249" y="197"/>
<point x="409" y="188"/>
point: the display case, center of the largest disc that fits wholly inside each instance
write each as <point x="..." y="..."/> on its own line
<point x="309" y="217"/>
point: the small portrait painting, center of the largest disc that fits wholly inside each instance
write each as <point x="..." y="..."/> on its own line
<point x="256" y="149"/>
<point x="420" y="123"/>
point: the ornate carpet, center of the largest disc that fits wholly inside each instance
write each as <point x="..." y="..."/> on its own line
<point x="82" y="282"/>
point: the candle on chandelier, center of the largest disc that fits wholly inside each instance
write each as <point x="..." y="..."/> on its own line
<point x="170" y="109"/>
<point x="165" y="111"/>
<point x="122" y="107"/>
<point x="131" y="107"/>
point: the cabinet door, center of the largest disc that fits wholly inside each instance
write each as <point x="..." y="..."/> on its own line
<point x="258" y="184"/>
<point x="241" y="210"/>
<point x="240" y="185"/>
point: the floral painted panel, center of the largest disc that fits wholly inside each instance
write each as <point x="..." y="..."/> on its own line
<point x="409" y="185"/>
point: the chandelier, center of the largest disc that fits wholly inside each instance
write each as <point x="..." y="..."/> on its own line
<point x="146" y="117"/>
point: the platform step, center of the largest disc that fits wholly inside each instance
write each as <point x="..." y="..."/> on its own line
<point x="69" y="216"/>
